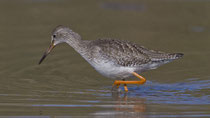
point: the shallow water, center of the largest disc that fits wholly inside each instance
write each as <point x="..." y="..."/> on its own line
<point x="65" y="85"/>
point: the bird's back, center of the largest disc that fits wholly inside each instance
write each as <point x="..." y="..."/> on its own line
<point x="125" y="53"/>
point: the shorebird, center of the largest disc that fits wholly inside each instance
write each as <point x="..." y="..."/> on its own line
<point x="116" y="59"/>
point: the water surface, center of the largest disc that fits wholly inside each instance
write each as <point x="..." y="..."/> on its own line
<point x="65" y="85"/>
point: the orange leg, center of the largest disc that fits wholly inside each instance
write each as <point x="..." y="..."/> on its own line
<point x="118" y="82"/>
<point x="125" y="87"/>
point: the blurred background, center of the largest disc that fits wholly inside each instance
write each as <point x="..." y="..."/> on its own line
<point x="65" y="85"/>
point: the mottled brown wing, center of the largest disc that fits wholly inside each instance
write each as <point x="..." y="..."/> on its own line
<point x="123" y="53"/>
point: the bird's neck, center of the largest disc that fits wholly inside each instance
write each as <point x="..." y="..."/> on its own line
<point x="78" y="44"/>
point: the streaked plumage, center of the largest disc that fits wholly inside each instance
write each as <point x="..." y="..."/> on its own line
<point x="113" y="58"/>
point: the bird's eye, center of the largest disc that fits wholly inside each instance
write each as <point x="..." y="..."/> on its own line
<point x="54" y="36"/>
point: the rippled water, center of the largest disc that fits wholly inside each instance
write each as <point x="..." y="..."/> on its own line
<point x="65" y="85"/>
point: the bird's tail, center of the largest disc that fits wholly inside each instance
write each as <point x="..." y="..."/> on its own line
<point x="167" y="57"/>
<point x="175" y="55"/>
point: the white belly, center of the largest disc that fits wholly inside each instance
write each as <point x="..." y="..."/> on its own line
<point x="112" y="71"/>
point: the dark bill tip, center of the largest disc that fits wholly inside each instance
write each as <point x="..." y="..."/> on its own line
<point x="47" y="52"/>
<point x="43" y="57"/>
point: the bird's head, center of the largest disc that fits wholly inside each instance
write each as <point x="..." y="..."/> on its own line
<point x="59" y="35"/>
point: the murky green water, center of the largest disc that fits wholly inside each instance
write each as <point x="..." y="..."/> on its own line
<point x="65" y="85"/>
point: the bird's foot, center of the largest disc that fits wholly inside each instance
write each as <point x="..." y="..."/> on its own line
<point x="115" y="88"/>
<point x="118" y="82"/>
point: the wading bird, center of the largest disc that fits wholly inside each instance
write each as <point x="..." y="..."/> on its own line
<point x="112" y="58"/>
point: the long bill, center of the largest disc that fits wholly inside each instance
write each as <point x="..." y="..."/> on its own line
<point x="47" y="52"/>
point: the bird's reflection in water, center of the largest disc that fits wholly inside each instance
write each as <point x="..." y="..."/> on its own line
<point x="128" y="106"/>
